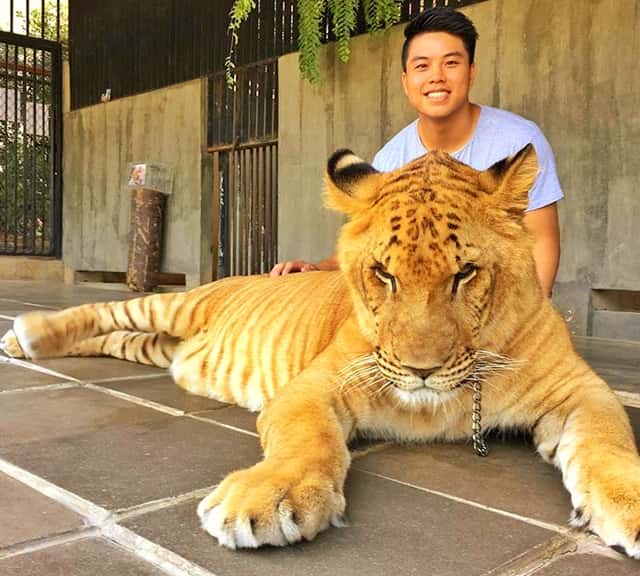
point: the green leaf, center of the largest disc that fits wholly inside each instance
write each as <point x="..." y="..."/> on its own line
<point x="344" y="19"/>
<point x="239" y="13"/>
<point x="310" y="14"/>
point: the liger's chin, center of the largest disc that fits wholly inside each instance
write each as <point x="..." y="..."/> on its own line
<point x="425" y="396"/>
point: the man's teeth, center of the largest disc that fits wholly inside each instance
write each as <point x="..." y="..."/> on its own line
<point x="437" y="94"/>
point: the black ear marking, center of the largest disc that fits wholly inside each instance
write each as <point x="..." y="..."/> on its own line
<point x="500" y="168"/>
<point x="345" y="168"/>
<point x="335" y="158"/>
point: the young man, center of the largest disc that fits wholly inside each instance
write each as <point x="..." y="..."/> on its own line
<point x="438" y="71"/>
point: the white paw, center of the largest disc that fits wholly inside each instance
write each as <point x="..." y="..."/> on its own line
<point x="10" y="346"/>
<point x="244" y="532"/>
<point x="269" y="505"/>
<point x="36" y="335"/>
<point x="611" y="506"/>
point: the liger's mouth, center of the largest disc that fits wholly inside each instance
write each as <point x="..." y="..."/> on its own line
<point x="449" y="387"/>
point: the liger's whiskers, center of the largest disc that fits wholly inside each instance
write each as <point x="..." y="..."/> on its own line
<point x="362" y="374"/>
<point x="382" y="390"/>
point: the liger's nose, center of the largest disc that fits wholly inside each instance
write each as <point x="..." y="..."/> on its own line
<point x="423" y="373"/>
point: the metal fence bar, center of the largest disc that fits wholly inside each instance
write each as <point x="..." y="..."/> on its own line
<point x="16" y="144"/>
<point x="30" y="123"/>
<point x="246" y="223"/>
<point x="243" y="142"/>
<point x="34" y="150"/>
<point x="55" y="151"/>
<point x="4" y="81"/>
<point x="42" y="181"/>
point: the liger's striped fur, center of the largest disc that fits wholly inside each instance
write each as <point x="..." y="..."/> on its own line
<point x="437" y="293"/>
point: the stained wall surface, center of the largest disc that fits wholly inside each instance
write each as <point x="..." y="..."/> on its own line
<point x="99" y="141"/>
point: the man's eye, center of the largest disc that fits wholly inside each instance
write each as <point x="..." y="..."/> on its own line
<point x="466" y="273"/>
<point x="452" y="63"/>
<point x="386" y="278"/>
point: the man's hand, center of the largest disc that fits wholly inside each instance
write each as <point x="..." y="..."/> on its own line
<point x="282" y="268"/>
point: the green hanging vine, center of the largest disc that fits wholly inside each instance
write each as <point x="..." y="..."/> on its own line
<point x="240" y="12"/>
<point x="342" y="14"/>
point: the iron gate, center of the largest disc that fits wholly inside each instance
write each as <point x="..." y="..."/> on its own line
<point x="243" y="141"/>
<point x="30" y="146"/>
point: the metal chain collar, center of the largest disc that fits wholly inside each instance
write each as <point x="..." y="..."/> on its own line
<point x="479" y="444"/>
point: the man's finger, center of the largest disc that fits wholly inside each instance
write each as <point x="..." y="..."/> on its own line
<point x="293" y="266"/>
<point x="277" y="269"/>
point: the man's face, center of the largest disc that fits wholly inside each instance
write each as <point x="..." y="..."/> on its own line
<point x="438" y="75"/>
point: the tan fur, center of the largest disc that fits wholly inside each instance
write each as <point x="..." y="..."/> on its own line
<point x="437" y="290"/>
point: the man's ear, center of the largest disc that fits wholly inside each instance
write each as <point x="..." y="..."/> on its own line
<point x="351" y="183"/>
<point x="508" y="182"/>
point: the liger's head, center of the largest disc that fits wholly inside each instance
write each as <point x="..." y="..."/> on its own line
<point x="436" y="255"/>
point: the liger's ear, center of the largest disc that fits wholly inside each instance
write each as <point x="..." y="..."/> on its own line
<point x="508" y="181"/>
<point x="351" y="183"/>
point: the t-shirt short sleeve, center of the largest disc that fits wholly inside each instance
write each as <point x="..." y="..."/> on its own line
<point x="546" y="189"/>
<point x="402" y="148"/>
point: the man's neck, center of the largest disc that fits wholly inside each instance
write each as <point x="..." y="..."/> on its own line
<point x="450" y="133"/>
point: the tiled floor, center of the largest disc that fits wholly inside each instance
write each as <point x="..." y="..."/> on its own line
<point x="102" y="464"/>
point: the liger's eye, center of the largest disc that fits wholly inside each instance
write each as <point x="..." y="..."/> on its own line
<point x="463" y="276"/>
<point x="385" y="277"/>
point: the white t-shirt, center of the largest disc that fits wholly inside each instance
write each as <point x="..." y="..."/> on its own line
<point x="498" y="134"/>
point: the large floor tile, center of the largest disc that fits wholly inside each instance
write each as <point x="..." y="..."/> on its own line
<point x="591" y="565"/>
<point x="58" y="295"/>
<point x="393" y="529"/>
<point x="129" y="464"/>
<point x="233" y="416"/>
<point x="14" y="377"/>
<point x="511" y="478"/>
<point x="28" y="515"/>
<point x="617" y="362"/>
<point x="163" y="390"/>
<point x="89" y="369"/>
<point x="90" y="557"/>
<point x="11" y="308"/>
<point x="48" y="415"/>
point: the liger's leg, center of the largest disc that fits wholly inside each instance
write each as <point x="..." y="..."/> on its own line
<point x="152" y="349"/>
<point x="47" y="334"/>
<point x="585" y="432"/>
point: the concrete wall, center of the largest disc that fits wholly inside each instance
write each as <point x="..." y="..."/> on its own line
<point x="569" y="66"/>
<point x="99" y="141"/>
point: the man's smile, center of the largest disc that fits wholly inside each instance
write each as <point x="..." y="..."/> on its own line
<point x="437" y="95"/>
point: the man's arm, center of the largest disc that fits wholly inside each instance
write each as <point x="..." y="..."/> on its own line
<point x="543" y="224"/>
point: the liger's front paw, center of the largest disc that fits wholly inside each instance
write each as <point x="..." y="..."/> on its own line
<point x="10" y="346"/>
<point x="272" y="503"/>
<point x="611" y="507"/>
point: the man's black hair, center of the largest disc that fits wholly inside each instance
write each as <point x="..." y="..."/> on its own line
<point x="441" y="20"/>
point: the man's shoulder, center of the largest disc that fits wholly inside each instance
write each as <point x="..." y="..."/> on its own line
<point x="397" y="149"/>
<point x="402" y="137"/>
<point x="509" y="124"/>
